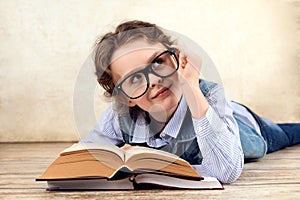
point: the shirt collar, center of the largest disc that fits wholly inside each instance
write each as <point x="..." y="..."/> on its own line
<point x="141" y="131"/>
<point x="173" y="127"/>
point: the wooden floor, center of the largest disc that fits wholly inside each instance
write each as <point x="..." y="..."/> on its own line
<point x="277" y="176"/>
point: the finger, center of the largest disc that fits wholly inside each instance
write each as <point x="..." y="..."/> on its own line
<point x="182" y="57"/>
<point x="182" y="60"/>
<point x="126" y="147"/>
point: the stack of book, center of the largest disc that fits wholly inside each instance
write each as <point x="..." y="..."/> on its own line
<point x="93" y="166"/>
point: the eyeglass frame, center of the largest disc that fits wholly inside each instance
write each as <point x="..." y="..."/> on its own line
<point x="148" y="69"/>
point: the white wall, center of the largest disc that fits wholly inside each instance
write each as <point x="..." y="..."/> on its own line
<point x="44" y="43"/>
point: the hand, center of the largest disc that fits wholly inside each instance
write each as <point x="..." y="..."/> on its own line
<point x="189" y="68"/>
<point x="189" y="75"/>
<point x="126" y="147"/>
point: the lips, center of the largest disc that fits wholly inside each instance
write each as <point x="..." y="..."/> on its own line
<point x="161" y="92"/>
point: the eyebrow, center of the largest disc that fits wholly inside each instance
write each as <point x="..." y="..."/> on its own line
<point x="149" y="60"/>
<point x="153" y="56"/>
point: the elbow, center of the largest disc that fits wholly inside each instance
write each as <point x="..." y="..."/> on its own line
<point x="225" y="171"/>
<point x="233" y="172"/>
<point x="232" y="178"/>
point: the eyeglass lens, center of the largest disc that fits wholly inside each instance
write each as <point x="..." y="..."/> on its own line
<point x="164" y="65"/>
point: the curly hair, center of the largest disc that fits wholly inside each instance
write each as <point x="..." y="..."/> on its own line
<point x="124" y="33"/>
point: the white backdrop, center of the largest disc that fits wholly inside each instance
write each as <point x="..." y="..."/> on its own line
<point x="44" y="43"/>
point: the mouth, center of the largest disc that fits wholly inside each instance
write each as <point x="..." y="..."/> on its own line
<point x="161" y="92"/>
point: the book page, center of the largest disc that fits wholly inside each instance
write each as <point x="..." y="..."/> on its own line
<point x="135" y="150"/>
<point x="173" y="182"/>
<point x="91" y="184"/>
<point x="143" y="159"/>
<point x="87" y="146"/>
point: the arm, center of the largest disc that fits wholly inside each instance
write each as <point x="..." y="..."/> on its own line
<point x="218" y="138"/>
<point x="216" y="129"/>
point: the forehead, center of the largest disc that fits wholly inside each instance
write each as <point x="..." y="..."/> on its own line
<point x="133" y="55"/>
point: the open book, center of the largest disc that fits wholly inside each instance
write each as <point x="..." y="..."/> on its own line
<point x="93" y="166"/>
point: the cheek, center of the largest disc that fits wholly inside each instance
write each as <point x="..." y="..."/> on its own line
<point x="176" y="89"/>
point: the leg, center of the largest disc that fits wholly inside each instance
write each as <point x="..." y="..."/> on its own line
<point x="275" y="137"/>
<point x="292" y="130"/>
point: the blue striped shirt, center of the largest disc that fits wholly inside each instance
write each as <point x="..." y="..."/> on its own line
<point x="217" y="135"/>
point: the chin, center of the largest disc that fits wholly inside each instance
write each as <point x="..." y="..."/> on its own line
<point x="170" y="103"/>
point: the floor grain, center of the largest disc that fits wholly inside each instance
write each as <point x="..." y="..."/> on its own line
<point x="277" y="176"/>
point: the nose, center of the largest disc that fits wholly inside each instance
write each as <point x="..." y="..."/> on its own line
<point x="154" y="80"/>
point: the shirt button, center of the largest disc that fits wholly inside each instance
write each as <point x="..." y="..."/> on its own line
<point x="200" y="128"/>
<point x="162" y="135"/>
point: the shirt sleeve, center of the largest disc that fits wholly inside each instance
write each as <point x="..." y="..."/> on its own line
<point x="218" y="138"/>
<point x="107" y="129"/>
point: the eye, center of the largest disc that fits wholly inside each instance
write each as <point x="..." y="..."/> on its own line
<point x="135" y="78"/>
<point x="157" y="63"/>
<point x="158" y="60"/>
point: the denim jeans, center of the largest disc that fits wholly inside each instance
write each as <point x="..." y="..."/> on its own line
<point x="278" y="136"/>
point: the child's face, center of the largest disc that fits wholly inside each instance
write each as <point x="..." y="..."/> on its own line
<point x="163" y="94"/>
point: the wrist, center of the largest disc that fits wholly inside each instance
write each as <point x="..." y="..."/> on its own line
<point x="196" y="100"/>
<point x="190" y="85"/>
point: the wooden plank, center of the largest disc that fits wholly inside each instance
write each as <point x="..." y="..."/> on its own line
<point x="256" y="177"/>
<point x="276" y="191"/>
<point x="262" y="178"/>
<point x="276" y="175"/>
<point x="274" y="164"/>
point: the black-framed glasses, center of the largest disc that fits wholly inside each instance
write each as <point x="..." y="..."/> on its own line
<point x="136" y="84"/>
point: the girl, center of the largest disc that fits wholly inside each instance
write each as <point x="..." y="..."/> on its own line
<point x="160" y="102"/>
